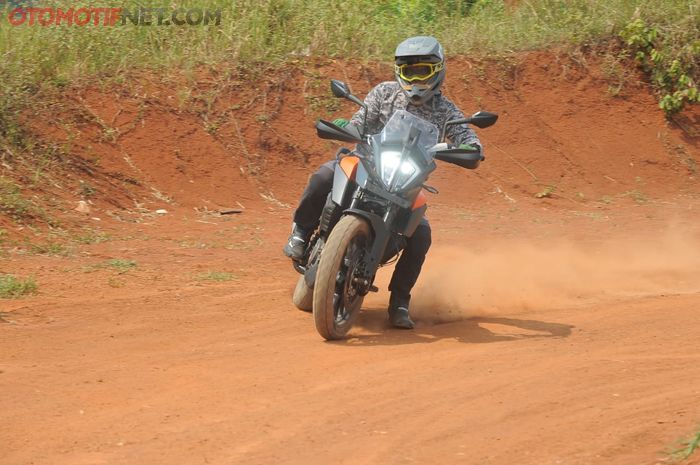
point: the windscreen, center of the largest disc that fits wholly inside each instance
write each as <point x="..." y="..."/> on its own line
<point x="398" y="129"/>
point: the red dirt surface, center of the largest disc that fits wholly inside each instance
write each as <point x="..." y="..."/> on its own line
<point x="552" y="329"/>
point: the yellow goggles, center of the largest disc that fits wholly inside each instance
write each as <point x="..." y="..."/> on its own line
<point x="418" y="71"/>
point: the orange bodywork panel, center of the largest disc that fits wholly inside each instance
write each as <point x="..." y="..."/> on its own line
<point x="420" y="201"/>
<point x="349" y="166"/>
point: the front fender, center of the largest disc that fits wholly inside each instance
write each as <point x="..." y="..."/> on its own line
<point x="375" y="221"/>
<point x="380" y="238"/>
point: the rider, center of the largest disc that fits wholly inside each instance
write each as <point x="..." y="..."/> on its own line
<point x="419" y="71"/>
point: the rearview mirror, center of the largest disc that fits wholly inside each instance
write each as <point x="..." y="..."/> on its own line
<point x="483" y="119"/>
<point x="339" y="88"/>
<point x="342" y="90"/>
<point x="480" y="119"/>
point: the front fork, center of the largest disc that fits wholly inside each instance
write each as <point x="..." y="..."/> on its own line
<point x="367" y="269"/>
<point x="363" y="278"/>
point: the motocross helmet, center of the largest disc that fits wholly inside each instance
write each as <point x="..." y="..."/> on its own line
<point x="420" y="68"/>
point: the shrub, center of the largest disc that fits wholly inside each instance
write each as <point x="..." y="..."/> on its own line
<point x="670" y="57"/>
<point x="12" y="287"/>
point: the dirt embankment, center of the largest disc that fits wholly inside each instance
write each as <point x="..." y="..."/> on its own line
<point x="220" y="139"/>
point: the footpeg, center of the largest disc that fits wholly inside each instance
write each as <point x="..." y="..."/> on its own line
<point x="373" y="288"/>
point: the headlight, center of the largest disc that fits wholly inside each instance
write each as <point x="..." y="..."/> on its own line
<point x="393" y="169"/>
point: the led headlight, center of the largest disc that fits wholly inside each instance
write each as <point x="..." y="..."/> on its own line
<point x="392" y="168"/>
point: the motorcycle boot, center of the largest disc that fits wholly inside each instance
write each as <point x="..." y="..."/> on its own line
<point x="399" y="318"/>
<point x="398" y="314"/>
<point x="297" y="243"/>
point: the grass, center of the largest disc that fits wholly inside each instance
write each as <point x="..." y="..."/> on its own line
<point x="121" y="265"/>
<point x="616" y="70"/>
<point x="86" y="190"/>
<point x="688" y="448"/>
<point x="14" y="205"/>
<point x="284" y="31"/>
<point x="12" y="287"/>
<point x="58" y="243"/>
<point x="48" y="248"/>
<point x="91" y="236"/>
<point x="637" y="196"/>
<point x="118" y="264"/>
<point x="218" y="276"/>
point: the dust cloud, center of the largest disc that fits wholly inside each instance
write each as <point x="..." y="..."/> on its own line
<point x="511" y="276"/>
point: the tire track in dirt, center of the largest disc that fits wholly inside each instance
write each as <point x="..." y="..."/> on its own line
<point x="577" y="385"/>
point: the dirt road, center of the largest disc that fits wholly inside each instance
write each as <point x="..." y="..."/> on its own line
<point x="163" y="367"/>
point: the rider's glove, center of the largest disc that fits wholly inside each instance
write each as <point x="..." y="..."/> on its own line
<point x="341" y="122"/>
<point x="470" y="147"/>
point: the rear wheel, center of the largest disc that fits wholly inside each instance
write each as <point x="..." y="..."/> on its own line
<point x="336" y="301"/>
<point x="303" y="296"/>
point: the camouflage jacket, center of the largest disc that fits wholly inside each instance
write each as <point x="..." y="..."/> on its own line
<point x="385" y="98"/>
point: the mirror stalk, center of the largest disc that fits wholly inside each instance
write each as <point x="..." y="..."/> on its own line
<point x="341" y="90"/>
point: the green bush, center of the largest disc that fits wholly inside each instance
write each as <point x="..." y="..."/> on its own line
<point x="670" y="57"/>
<point x="12" y="287"/>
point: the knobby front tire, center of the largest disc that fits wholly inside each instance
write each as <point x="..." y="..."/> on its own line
<point x="335" y="303"/>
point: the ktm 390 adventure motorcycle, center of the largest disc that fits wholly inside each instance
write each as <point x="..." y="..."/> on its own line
<point x="376" y="202"/>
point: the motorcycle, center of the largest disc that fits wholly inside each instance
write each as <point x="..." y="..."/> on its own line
<point x="377" y="201"/>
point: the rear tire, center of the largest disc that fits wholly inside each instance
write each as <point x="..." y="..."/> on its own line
<point x="303" y="296"/>
<point x="335" y="302"/>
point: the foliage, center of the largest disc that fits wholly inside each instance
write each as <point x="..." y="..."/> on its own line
<point x="121" y="265"/>
<point x="281" y="30"/>
<point x="689" y="447"/>
<point x="220" y="276"/>
<point x="671" y="59"/>
<point x="15" y="206"/>
<point x="118" y="264"/>
<point x="12" y="287"/>
<point x="47" y="248"/>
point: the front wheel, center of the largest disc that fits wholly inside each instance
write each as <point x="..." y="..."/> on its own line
<point x="336" y="301"/>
